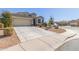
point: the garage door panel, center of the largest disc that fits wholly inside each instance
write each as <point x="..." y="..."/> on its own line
<point x="21" y="22"/>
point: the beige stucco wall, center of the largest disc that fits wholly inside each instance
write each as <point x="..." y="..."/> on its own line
<point x="21" y="21"/>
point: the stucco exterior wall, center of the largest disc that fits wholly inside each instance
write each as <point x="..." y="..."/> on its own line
<point x="25" y="21"/>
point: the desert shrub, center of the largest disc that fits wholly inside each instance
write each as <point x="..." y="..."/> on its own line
<point x="1" y="25"/>
<point x="8" y="31"/>
<point x="7" y="19"/>
<point x="56" y="27"/>
<point x="40" y="25"/>
<point x="44" y="24"/>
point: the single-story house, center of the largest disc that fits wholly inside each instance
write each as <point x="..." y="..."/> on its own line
<point x="28" y="20"/>
<point x="74" y="22"/>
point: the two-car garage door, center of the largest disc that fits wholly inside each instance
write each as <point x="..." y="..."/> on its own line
<point x="22" y="21"/>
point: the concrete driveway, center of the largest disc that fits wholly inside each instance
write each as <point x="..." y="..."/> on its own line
<point x="29" y="33"/>
<point x="37" y="39"/>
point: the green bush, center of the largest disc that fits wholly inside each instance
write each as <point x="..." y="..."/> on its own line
<point x="7" y="19"/>
<point x="44" y="24"/>
<point x="8" y="31"/>
<point x="1" y="25"/>
<point x="50" y="22"/>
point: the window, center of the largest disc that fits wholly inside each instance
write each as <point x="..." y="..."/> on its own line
<point x="39" y="20"/>
<point x="30" y="15"/>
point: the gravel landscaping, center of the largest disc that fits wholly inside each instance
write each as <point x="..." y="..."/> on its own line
<point x="60" y="30"/>
<point x="7" y="41"/>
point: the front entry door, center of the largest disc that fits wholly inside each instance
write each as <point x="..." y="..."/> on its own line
<point x="34" y="22"/>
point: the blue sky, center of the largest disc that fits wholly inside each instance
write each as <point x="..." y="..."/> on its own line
<point x="57" y="13"/>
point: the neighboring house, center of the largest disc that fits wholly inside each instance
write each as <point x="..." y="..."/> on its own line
<point x="63" y="23"/>
<point x="27" y="19"/>
<point x="74" y="22"/>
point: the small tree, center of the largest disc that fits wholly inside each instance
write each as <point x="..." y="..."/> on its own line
<point x="50" y="22"/>
<point x="7" y="19"/>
